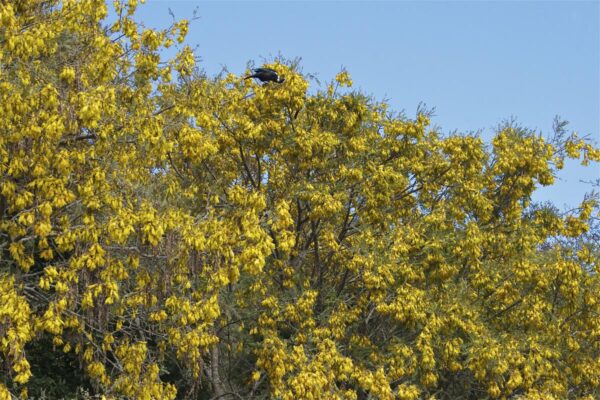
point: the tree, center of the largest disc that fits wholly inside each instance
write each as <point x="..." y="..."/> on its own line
<point x="214" y="238"/>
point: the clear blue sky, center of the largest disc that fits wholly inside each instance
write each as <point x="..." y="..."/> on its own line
<point x="476" y="62"/>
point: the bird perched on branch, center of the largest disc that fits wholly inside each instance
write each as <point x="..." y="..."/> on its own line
<point x="265" y="75"/>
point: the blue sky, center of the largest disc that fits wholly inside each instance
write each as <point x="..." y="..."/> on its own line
<point x="477" y="62"/>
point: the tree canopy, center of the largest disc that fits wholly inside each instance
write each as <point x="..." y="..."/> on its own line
<point x="165" y="234"/>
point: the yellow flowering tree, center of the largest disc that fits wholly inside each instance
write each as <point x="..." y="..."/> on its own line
<point x="175" y="235"/>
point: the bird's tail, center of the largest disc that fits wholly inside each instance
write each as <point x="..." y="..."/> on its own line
<point x="249" y="76"/>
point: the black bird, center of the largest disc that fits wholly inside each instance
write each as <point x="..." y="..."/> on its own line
<point x="265" y="75"/>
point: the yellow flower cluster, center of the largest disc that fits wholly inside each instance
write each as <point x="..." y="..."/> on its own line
<point x="16" y="329"/>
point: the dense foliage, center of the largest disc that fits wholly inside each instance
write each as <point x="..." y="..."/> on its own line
<point x="165" y="234"/>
